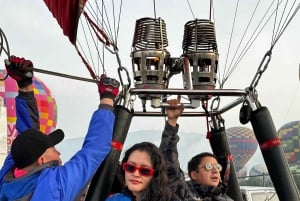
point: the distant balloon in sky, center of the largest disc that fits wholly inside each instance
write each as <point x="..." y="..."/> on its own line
<point x="289" y="134"/>
<point x="46" y="105"/>
<point x="243" y="145"/>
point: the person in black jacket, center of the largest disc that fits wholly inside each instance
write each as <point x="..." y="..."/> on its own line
<point x="203" y="169"/>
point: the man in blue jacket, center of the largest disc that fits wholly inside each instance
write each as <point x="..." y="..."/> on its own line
<point x="33" y="170"/>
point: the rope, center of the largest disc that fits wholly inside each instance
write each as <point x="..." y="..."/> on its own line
<point x="63" y="75"/>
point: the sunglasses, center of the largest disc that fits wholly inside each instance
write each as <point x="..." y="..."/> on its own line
<point x="144" y="171"/>
<point x="209" y="166"/>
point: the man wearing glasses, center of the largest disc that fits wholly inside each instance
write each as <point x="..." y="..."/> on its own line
<point x="203" y="169"/>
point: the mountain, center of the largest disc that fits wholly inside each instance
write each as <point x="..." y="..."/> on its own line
<point x="189" y="145"/>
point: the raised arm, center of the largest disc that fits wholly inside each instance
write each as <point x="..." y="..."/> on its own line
<point x="168" y="146"/>
<point x="79" y="170"/>
<point x="27" y="113"/>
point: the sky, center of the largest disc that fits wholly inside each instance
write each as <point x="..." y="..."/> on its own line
<point x="33" y="33"/>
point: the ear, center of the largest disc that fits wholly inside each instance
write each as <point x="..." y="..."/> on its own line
<point x="193" y="175"/>
<point x="41" y="160"/>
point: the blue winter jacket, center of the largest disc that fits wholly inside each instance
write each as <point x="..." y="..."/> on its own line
<point x="54" y="182"/>
<point x="119" y="197"/>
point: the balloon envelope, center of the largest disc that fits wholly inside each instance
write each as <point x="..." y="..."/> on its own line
<point x="46" y="105"/>
<point x="289" y="134"/>
<point x="242" y="143"/>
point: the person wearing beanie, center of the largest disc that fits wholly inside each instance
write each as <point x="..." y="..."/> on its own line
<point x="33" y="169"/>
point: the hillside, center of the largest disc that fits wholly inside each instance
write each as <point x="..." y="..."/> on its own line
<point x="189" y="145"/>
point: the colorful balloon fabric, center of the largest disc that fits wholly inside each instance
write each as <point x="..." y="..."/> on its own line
<point x="46" y="105"/>
<point x="243" y="145"/>
<point x="289" y="134"/>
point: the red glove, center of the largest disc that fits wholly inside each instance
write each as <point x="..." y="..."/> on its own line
<point x="108" y="87"/>
<point x="20" y="70"/>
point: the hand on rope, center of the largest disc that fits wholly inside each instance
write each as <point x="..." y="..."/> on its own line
<point x="20" y="69"/>
<point x="108" y="87"/>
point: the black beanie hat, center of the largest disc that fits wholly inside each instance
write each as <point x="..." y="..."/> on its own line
<point x="31" y="144"/>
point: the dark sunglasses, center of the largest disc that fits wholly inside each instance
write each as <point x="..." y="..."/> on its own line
<point x="144" y="171"/>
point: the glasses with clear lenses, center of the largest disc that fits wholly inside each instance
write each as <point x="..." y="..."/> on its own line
<point x="144" y="171"/>
<point x="209" y="166"/>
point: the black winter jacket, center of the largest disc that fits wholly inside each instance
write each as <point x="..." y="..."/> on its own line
<point x="185" y="190"/>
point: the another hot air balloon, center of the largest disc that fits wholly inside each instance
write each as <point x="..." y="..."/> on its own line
<point x="243" y="145"/>
<point x="46" y="105"/>
<point x="289" y="134"/>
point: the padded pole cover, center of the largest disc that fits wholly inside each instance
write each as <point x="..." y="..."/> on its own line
<point x="273" y="154"/>
<point x="220" y="147"/>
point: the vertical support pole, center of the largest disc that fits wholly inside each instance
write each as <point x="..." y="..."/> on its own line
<point x="273" y="154"/>
<point x="220" y="147"/>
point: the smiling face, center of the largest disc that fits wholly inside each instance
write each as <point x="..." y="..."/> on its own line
<point x="136" y="182"/>
<point x="207" y="177"/>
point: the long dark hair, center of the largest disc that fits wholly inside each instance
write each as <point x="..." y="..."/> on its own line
<point x="158" y="189"/>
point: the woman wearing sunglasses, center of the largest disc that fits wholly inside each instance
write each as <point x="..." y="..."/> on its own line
<point x="203" y="169"/>
<point x="145" y="175"/>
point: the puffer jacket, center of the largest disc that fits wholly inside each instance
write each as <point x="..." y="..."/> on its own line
<point x="185" y="190"/>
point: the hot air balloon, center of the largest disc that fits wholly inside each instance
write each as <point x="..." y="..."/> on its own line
<point x="289" y="134"/>
<point x="46" y="105"/>
<point x="243" y="145"/>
